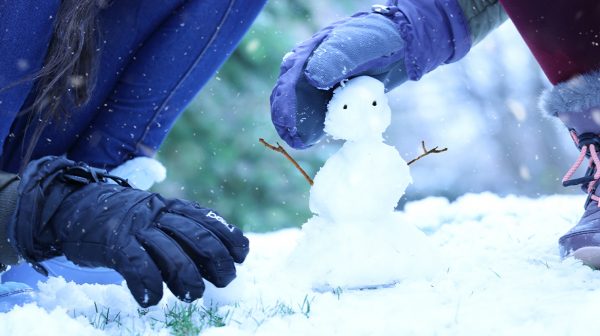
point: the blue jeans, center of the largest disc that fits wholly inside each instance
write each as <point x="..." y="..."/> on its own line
<point x="155" y="56"/>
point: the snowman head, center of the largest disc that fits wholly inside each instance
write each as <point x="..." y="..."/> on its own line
<point x="359" y="110"/>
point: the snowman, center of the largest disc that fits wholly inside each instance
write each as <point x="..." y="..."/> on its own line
<point x="355" y="238"/>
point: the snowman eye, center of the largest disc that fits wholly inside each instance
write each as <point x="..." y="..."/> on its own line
<point x="374" y="102"/>
<point x="345" y="107"/>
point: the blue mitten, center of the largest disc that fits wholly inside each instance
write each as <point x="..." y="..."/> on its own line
<point x="392" y="43"/>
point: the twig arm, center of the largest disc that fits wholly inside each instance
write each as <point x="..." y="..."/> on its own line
<point x="426" y="152"/>
<point x="282" y="150"/>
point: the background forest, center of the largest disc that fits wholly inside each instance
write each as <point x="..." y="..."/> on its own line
<point x="483" y="108"/>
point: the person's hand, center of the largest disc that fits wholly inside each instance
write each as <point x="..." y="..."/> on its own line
<point x="391" y="43"/>
<point x="68" y="208"/>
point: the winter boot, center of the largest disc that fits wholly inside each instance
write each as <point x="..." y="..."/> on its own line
<point x="583" y="240"/>
<point x="563" y="39"/>
<point x="577" y="104"/>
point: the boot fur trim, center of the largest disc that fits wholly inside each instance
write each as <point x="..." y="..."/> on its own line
<point x="577" y="95"/>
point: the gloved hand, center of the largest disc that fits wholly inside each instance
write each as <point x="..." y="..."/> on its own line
<point x="392" y="43"/>
<point x="67" y="208"/>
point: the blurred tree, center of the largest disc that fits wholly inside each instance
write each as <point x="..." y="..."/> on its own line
<point x="212" y="154"/>
<point x="483" y="108"/>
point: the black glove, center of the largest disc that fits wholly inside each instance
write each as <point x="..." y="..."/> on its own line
<point x="67" y="208"/>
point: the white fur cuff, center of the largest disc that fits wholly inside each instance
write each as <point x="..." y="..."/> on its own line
<point x="141" y="171"/>
<point x="577" y="95"/>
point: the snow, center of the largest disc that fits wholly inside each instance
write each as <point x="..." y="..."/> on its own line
<point x="481" y="265"/>
<point x="56" y="322"/>
<point x="502" y="276"/>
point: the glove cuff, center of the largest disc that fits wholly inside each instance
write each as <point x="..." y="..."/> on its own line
<point x="36" y="204"/>
<point x="45" y="184"/>
<point x="8" y="203"/>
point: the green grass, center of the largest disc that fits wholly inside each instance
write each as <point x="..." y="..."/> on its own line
<point x="181" y="319"/>
<point x="190" y="319"/>
<point x="103" y="317"/>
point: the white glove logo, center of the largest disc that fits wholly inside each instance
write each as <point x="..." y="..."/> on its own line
<point x="213" y="215"/>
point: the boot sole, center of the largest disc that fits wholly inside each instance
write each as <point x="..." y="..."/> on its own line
<point x="589" y="256"/>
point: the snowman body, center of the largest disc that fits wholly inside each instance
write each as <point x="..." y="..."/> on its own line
<point x="356" y="238"/>
<point x="357" y="169"/>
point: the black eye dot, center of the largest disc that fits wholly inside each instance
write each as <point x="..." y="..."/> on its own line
<point x="345" y="107"/>
<point x="374" y="102"/>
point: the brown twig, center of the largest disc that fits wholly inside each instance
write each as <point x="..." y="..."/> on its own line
<point x="288" y="156"/>
<point x="426" y="152"/>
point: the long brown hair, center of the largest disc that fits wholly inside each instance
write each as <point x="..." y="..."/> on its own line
<point x="69" y="70"/>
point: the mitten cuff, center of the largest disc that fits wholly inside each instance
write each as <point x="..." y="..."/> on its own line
<point x="483" y="16"/>
<point x="435" y="31"/>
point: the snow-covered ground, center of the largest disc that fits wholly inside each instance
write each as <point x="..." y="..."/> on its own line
<point x="502" y="276"/>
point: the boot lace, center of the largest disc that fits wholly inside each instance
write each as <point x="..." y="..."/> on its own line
<point x="589" y="144"/>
